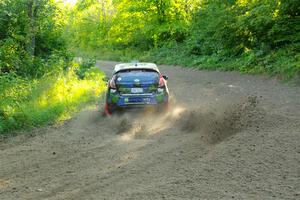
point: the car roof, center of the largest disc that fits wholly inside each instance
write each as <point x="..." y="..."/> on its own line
<point x="137" y="65"/>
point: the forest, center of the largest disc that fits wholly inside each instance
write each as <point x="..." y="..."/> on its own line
<point x="41" y="83"/>
<point x="253" y="36"/>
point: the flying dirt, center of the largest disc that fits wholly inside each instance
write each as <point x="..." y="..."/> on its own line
<point x="225" y="136"/>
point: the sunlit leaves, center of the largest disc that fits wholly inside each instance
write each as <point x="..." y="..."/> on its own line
<point x="136" y="23"/>
<point x="30" y="32"/>
<point x="26" y="103"/>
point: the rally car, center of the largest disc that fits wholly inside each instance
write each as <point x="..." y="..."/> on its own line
<point x="135" y="85"/>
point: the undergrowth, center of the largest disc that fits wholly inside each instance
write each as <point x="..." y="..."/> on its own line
<point x="27" y="103"/>
<point x="283" y="63"/>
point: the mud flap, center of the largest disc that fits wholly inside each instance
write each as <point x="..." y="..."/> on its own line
<point x="107" y="110"/>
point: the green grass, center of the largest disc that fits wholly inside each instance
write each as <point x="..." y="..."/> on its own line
<point x="124" y="55"/>
<point x="27" y="103"/>
<point x="283" y="63"/>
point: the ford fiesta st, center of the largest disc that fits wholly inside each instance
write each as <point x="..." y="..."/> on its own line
<point x="136" y="85"/>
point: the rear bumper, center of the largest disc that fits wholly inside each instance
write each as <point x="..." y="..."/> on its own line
<point x="140" y="100"/>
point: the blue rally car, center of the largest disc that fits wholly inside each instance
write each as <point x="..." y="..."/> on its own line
<point x="136" y="85"/>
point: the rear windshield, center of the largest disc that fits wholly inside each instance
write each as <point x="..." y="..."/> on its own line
<point x="141" y="75"/>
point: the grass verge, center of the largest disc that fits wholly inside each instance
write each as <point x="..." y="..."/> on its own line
<point x="27" y="103"/>
<point x="283" y="63"/>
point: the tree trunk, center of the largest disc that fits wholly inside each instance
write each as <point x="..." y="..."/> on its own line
<point x="32" y="9"/>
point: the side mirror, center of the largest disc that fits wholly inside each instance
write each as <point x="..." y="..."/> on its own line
<point x="105" y="79"/>
<point x="165" y="77"/>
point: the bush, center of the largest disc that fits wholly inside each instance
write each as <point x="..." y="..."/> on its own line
<point x="27" y="103"/>
<point x="84" y="65"/>
<point x="29" y="40"/>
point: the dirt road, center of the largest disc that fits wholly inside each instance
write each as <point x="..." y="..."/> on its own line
<point x="226" y="136"/>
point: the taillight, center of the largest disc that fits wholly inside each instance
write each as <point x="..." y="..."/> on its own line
<point x="161" y="81"/>
<point x="112" y="83"/>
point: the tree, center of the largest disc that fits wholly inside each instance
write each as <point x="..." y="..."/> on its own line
<point x="30" y="33"/>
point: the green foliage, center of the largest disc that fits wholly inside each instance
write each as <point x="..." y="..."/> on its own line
<point x="27" y="103"/>
<point x="30" y="34"/>
<point x="128" y="23"/>
<point x="38" y="83"/>
<point x="84" y="67"/>
<point x="247" y="35"/>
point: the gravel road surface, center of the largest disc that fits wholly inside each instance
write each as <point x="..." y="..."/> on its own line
<point x="225" y="136"/>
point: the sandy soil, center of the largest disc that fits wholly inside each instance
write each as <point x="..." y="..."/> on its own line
<point x="226" y="136"/>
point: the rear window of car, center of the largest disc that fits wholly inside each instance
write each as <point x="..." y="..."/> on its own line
<point x="141" y="75"/>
